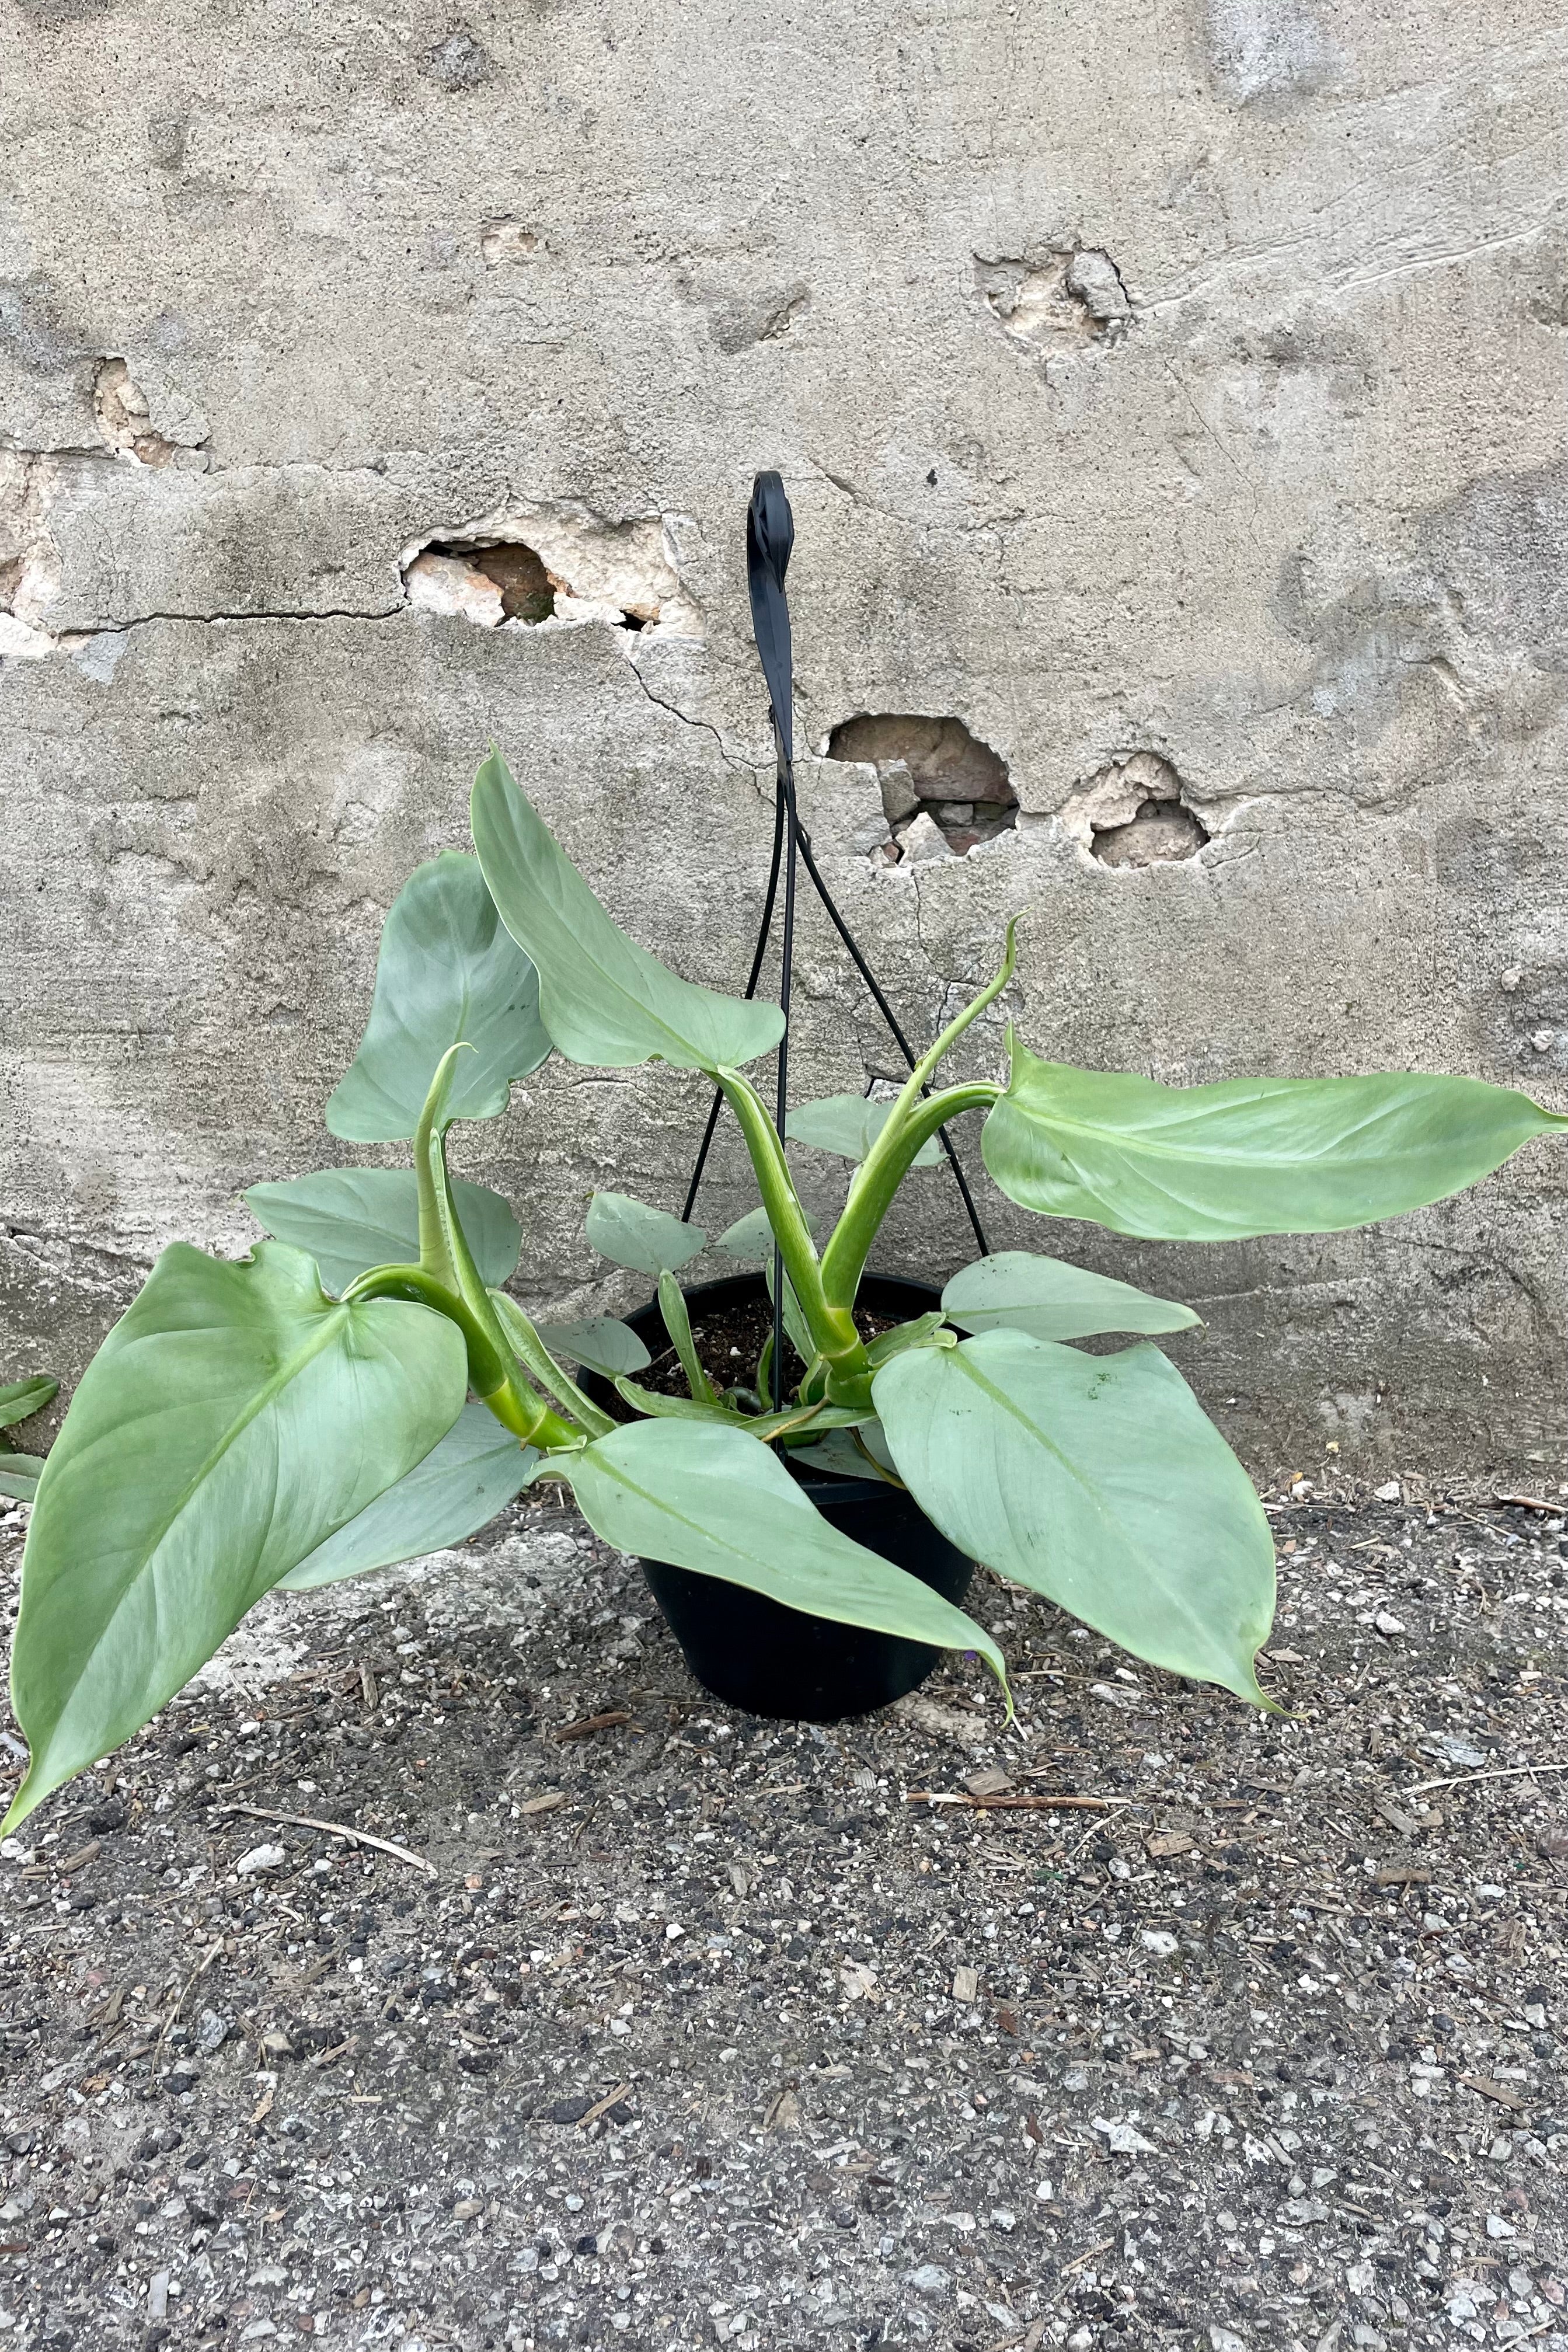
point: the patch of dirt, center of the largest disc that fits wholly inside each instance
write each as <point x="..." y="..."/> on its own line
<point x="729" y="1343"/>
<point x="712" y="2030"/>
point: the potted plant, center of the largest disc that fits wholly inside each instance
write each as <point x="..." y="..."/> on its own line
<point x="364" y="1388"/>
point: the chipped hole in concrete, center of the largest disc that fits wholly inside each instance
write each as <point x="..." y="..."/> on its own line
<point x="29" y="559"/>
<point x="1059" y="301"/>
<point x="1132" y="811"/>
<point x="488" y="584"/>
<point x="123" y="417"/>
<point x="504" y="241"/>
<point x="944" y="791"/>
<point x="549" y="568"/>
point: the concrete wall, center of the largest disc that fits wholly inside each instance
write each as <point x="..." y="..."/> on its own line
<point x="1184" y="381"/>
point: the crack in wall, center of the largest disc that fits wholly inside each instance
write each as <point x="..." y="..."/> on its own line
<point x="747" y="768"/>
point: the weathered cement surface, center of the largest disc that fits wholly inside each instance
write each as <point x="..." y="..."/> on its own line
<point x="1187" y="382"/>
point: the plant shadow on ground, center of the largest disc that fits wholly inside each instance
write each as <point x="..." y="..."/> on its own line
<point x="703" y="2030"/>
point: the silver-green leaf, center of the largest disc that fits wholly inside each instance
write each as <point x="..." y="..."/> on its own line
<point x="629" y="1233"/>
<point x="19" y="1400"/>
<point x="599" y="1344"/>
<point x="233" y="1420"/>
<point x="475" y="1472"/>
<point x="350" y="1219"/>
<point x="19" y="1475"/>
<point x="1097" y="1480"/>
<point x="603" y="999"/>
<point x="449" y="972"/>
<point x="1020" y="1291"/>
<point x="1250" y="1156"/>
<point x="715" y="1501"/>
<point x="848" y="1125"/>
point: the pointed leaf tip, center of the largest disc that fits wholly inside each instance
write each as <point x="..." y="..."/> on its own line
<point x="604" y="1001"/>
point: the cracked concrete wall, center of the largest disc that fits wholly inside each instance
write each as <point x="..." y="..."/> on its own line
<point x="1181" y="386"/>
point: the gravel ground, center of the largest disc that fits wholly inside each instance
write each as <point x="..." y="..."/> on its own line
<point x="699" y="2030"/>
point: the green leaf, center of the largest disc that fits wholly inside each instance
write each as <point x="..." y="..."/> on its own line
<point x="837" y="1455"/>
<point x="600" y="1344"/>
<point x="1019" y="1291"/>
<point x="628" y="1233"/>
<point x="19" y="1400"/>
<point x="677" y="1323"/>
<point x="449" y="972"/>
<point x="603" y="999"/>
<point x="750" y="1237"/>
<point x="848" y="1125"/>
<point x="1097" y="1480"/>
<point x="351" y="1219"/>
<point x="475" y="1472"/>
<point x="712" y="1500"/>
<point x="19" y="1475"/>
<point x="1251" y="1156"/>
<point x="925" y="1331"/>
<point x="233" y="1420"/>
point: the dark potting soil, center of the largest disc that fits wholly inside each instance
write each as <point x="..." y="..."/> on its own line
<point x="729" y="1340"/>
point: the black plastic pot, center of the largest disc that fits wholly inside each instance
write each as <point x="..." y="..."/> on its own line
<point x="755" y="1653"/>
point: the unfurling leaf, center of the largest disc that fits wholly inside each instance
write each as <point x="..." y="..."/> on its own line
<point x="475" y="1472"/>
<point x="351" y="1219"/>
<point x="712" y="1500"/>
<point x="604" y="1001"/>
<point x="1250" y="1156"/>
<point x="1018" y="1291"/>
<point x="232" y="1421"/>
<point x="848" y="1125"/>
<point x="19" y="1400"/>
<point x="1097" y="1480"/>
<point x="449" y="972"/>
<point x="629" y="1233"/>
<point x="600" y="1344"/>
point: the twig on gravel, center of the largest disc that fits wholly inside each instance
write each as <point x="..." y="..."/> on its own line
<point x="590" y="1724"/>
<point x="601" y="2107"/>
<point x="1527" y="1503"/>
<point x="1463" y="1780"/>
<point x="202" y="1965"/>
<point x="1031" y="1804"/>
<point x="1088" y="2254"/>
<point x="333" y="1829"/>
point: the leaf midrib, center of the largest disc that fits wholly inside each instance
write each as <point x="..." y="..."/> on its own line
<point x="1124" y="1542"/>
<point x="1104" y="1134"/>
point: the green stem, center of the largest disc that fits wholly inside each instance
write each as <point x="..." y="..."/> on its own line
<point x="490" y="1373"/>
<point x="677" y="1323"/>
<point x="535" y="1357"/>
<point x="832" y="1329"/>
<point x="889" y="1162"/>
<point x="879" y="1177"/>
